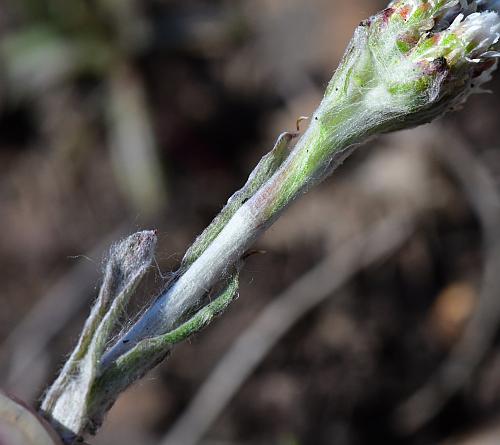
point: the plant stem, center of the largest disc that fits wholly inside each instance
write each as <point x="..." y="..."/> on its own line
<point x="311" y="160"/>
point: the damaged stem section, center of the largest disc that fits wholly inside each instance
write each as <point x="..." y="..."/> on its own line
<point x="405" y="66"/>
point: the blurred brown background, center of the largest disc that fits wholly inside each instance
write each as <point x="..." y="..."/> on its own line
<point x="121" y="115"/>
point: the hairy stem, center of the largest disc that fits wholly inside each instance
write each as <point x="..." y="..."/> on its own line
<point x="313" y="157"/>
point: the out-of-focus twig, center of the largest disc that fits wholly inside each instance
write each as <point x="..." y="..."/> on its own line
<point x="132" y="142"/>
<point x="480" y="189"/>
<point x="261" y="336"/>
<point x="484" y="435"/>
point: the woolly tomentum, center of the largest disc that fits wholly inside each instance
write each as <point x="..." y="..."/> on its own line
<point x="404" y="66"/>
<point x="413" y="61"/>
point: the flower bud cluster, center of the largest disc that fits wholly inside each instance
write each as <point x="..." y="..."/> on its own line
<point x="415" y="60"/>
